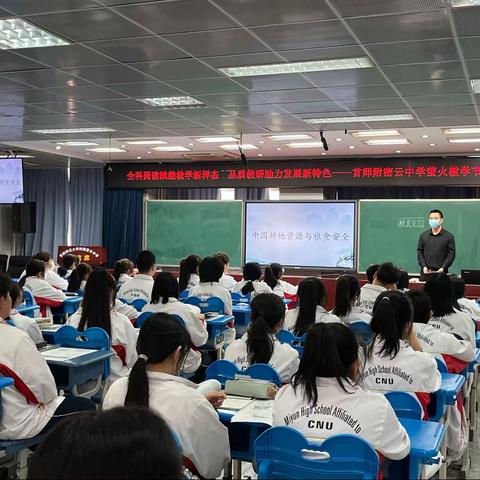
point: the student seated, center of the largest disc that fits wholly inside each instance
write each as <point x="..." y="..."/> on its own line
<point x="403" y="280"/>
<point x="97" y="310"/>
<point x="371" y="271"/>
<point x="211" y="270"/>
<point x="226" y="280"/>
<point x="347" y="293"/>
<point x="259" y="344"/>
<point x="69" y="264"/>
<point x="27" y="324"/>
<point x="394" y="359"/>
<point x="31" y="405"/>
<point x="188" y="275"/>
<point x="326" y="383"/>
<point x="385" y="278"/>
<point x="165" y="300"/>
<point x="467" y="305"/>
<point x="251" y="284"/>
<point x="273" y="278"/>
<point x="140" y="286"/>
<point x="122" y="443"/>
<point x="78" y="278"/>
<point x="441" y="292"/>
<point x="51" y="277"/>
<point x="312" y="299"/>
<point x="163" y="345"/>
<point x="123" y="271"/>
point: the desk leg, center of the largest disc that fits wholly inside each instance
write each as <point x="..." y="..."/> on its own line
<point x="443" y="449"/>
<point x="237" y="469"/>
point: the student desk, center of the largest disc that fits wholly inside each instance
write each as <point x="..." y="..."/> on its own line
<point x="50" y="334"/>
<point x="28" y="310"/>
<point x="241" y="312"/>
<point x="68" y="307"/>
<point x="216" y="327"/>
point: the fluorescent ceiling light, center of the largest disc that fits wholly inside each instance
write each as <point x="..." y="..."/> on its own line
<point x="172" y="102"/>
<point x="387" y="141"/>
<point x="19" y="156"/>
<point x="77" y="144"/>
<point x="297" y="67"/>
<point x="461" y="131"/>
<point x="464" y="140"/>
<point x="215" y="139"/>
<point x="305" y="145"/>
<point x="245" y="146"/>
<point x="51" y="131"/>
<point x="146" y="142"/>
<point x="290" y="136"/>
<point x="171" y="148"/>
<point x="465" y="3"/>
<point x="375" y="133"/>
<point x="106" y="150"/>
<point x="365" y="118"/>
<point x="16" y="33"/>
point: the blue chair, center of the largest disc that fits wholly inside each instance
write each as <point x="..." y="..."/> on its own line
<point x="441" y="365"/>
<point x="28" y="298"/>
<point x="123" y="300"/>
<point x="284" y="336"/>
<point x="207" y="305"/>
<point x="138" y="304"/>
<point x="237" y="297"/>
<point x="406" y="405"/>
<point x="141" y="318"/>
<point x="183" y="295"/>
<point x="285" y="453"/>
<point x="362" y="331"/>
<point x="262" y="371"/>
<point x="222" y="370"/>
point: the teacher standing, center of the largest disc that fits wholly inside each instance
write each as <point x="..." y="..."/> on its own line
<point x="436" y="247"/>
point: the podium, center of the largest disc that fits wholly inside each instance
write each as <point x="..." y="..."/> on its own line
<point x="93" y="255"/>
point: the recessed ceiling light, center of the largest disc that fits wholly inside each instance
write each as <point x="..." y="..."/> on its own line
<point x="123" y="146"/>
<point x="171" y="148"/>
<point x="77" y="144"/>
<point x="375" y="133"/>
<point x="19" y="156"/>
<point x="477" y="149"/>
<point x="106" y="150"/>
<point x="88" y="153"/>
<point x="297" y="67"/>
<point x="146" y="142"/>
<point x="398" y="151"/>
<point x="215" y="139"/>
<point x="149" y="151"/>
<point x="461" y="131"/>
<point x="431" y="144"/>
<point x="351" y="147"/>
<point x="464" y="140"/>
<point x="323" y="153"/>
<point x="278" y="149"/>
<point x="52" y="131"/>
<point x="261" y="141"/>
<point x="425" y="136"/>
<point x="364" y="118"/>
<point x="58" y="147"/>
<point x="387" y="141"/>
<point x="291" y="136"/>
<point x="16" y="33"/>
<point x="339" y="139"/>
<point x="172" y="102"/>
<point x="305" y="145"/>
<point x="465" y="3"/>
<point x="260" y="155"/>
<point x="245" y="146"/>
<point x="191" y="144"/>
<point x="138" y="158"/>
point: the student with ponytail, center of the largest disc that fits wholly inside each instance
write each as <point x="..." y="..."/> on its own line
<point x="312" y="298"/>
<point x="259" y="344"/>
<point x="154" y="382"/>
<point x="394" y="359"/>
<point x="326" y="383"/>
<point x="347" y="293"/>
<point x="69" y="263"/>
<point x="188" y="277"/>
<point x="273" y="278"/>
<point x="78" y="278"/>
<point x="123" y="271"/>
<point x="251" y="284"/>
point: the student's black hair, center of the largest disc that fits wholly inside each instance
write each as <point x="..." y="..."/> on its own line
<point x="441" y="292"/>
<point x="267" y="310"/>
<point x="43" y="256"/>
<point x="188" y="266"/>
<point x="224" y="258"/>
<point x="164" y="287"/>
<point x="273" y="273"/>
<point x="435" y="210"/>
<point x="311" y="293"/>
<point x="251" y="271"/>
<point x="422" y="308"/>
<point x="16" y="292"/>
<point x="160" y="336"/>
<point x="145" y="261"/>
<point x="458" y="288"/>
<point x="78" y="276"/>
<point x="371" y="271"/>
<point x="403" y="279"/>
<point x="121" y="443"/>
<point x="98" y="301"/>
<point x="391" y="320"/>
<point x="346" y="291"/>
<point x="67" y="261"/>
<point x="330" y="350"/>
<point x="5" y="285"/>
<point x="388" y="273"/>
<point x="210" y="270"/>
<point x="122" y="266"/>
<point x="33" y="268"/>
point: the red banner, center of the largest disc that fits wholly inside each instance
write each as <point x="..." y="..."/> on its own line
<point x="92" y="255"/>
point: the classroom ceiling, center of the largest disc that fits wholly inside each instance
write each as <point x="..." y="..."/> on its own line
<point x="423" y="54"/>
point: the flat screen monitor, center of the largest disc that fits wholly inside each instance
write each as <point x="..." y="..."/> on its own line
<point x="11" y="181"/>
<point x="319" y="235"/>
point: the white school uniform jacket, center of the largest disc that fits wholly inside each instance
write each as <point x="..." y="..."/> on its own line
<point x="193" y="281"/>
<point x="197" y="328"/>
<point x="27" y="324"/>
<point x="227" y="281"/>
<point x="358" y="412"/>
<point x="123" y="278"/>
<point x="368" y="296"/>
<point x="127" y="310"/>
<point x="138" y="287"/>
<point x="470" y="307"/>
<point x="40" y="288"/>
<point x="203" y="438"/>
<point x="55" y="280"/>
<point x="357" y="314"/>
<point x="30" y="403"/>
<point x="458" y="323"/>
<point x="286" y="287"/>
<point x="213" y="289"/>
<point x="259" y="287"/>
<point x="284" y="359"/>
<point x="433" y="340"/>
<point x="321" y="315"/>
<point x="124" y="335"/>
<point x="409" y="371"/>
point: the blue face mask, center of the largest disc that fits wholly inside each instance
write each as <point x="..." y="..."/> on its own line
<point x="434" y="223"/>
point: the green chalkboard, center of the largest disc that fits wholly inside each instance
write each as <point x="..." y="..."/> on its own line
<point x="389" y="231"/>
<point x="177" y="228"/>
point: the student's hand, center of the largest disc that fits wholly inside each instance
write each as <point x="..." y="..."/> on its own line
<point x="201" y="316"/>
<point x="216" y="398"/>
<point x="272" y="391"/>
<point x="413" y="341"/>
<point x="426" y="270"/>
<point x="440" y="270"/>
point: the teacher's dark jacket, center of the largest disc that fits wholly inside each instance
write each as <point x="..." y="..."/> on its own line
<point x="436" y="251"/>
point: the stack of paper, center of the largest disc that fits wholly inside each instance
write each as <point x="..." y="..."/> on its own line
<point x="257" y="411"/>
